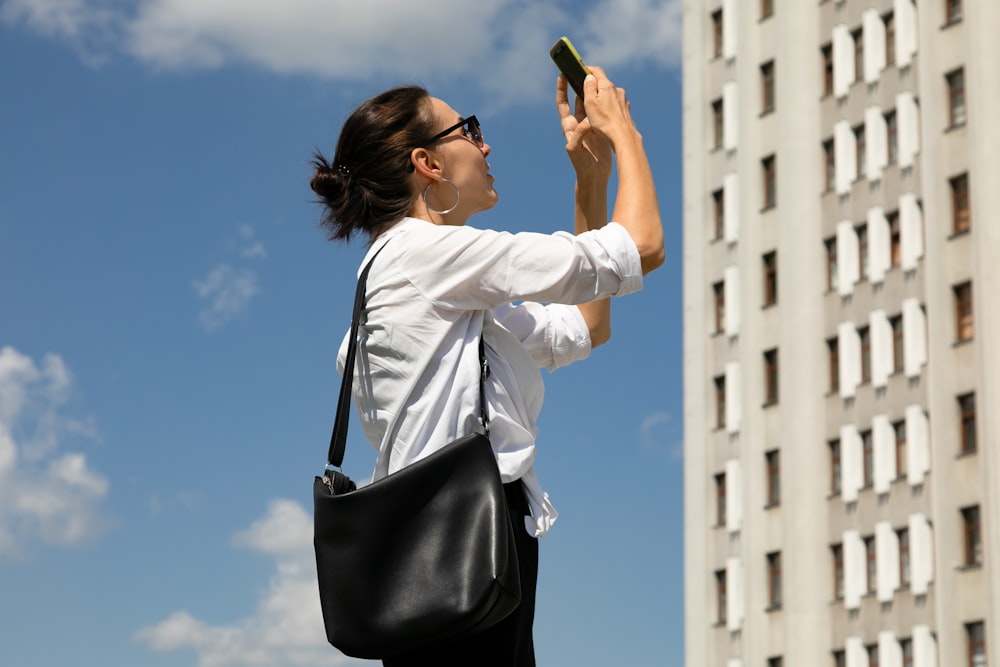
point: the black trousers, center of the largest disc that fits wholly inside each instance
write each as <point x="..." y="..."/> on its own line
<point x="509" y="643"/>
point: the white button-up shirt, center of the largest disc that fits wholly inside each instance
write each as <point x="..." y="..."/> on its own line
<point x="432" y="293"/>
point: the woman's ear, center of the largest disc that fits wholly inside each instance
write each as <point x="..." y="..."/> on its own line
<point x="425" y="163"/>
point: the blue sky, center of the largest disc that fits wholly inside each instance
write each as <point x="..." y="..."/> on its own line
<point x="169" y="316"/>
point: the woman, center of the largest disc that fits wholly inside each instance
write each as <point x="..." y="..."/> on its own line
<point x="409" y="172"/>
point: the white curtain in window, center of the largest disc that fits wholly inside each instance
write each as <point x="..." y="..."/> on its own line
<point x="845" y="155"/>
<point x="914" y="337"/>
<point x="734" y="410"/>
<point x="731" y="207"/>
<point x="874" y="43"/>
<point x="730" y="115"/>
<point x="734" y="594"/>
<point x="855" y="569"/>
<point x="890" y="653"/>
<point x="876" y="141"/>
<point x="911" y="231"/>
<point x="907" y="128"/>
<point x="886" y="561"/>
<point x="884" y="443"/>
<point x="879" y="242"/>
<point x="880" y="337"/>
<point x="848" y="257"/>
<point x="843" y="60"/>
<point x="734" y="496"/>
<point x="924" y="647"/>
<point x="918" y="451"/>
<point x="731" y="294"/>
<point x="729" y="23"/>
<point x="905" y="16"/>
<point x="851" y="463"/>
<point x="921" y="554"/>
<point x="855" y="654"/>
<point x="849" y="358"/>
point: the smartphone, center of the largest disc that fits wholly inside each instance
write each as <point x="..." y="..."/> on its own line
<point x="569" y="63"/>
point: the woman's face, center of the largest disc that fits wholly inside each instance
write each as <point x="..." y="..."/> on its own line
<point x="464" y="164"/>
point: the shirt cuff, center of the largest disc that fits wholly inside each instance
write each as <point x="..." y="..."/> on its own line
<point x="568" y="335"/>
<point x="621" y="248"/>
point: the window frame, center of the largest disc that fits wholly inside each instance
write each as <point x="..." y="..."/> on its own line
<point x="961" y="215"/>
<point x="772" y="464"/>
<point x="833" y="359"/>
<point x="836" y="466"/>
<point x="720" y="499"/>
<point x="867" y="458"/>
<point x="718" y="115"/>
<point x="972" y="536"/>
<point x="771" y="377"/>
<point x="975" y="638"/>
<point x="720" y="401"/>
<point x="826" y="61"/>
<point x="769" y="263"/>
<point x="718" y="214"/>
<point x="837" y="554"/>
<point x="900" y="448"/>
<point x="967" y="423"/>
<point x="719" y="301"/>
<point x="716" y="22"/>
<point x="769" y="183"/>
<point x="767" y="87"/>
<point x="958" y="112"/>
<point x="905" y="573"/>
<point x="774" y="588"/>
<point x="896" y="324"/>
<point x="964" y="316"/>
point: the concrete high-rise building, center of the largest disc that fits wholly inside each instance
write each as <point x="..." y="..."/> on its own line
<point x="842" y="334"/>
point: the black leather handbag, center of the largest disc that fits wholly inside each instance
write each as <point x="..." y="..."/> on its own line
<point x="422" y="556"/>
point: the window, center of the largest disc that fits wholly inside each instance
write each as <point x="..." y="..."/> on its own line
<point x="837" y="552"/>
<point x="717" y="123"/>
<point x="766" y="8"/>
<point x="863" y="263"/>
<point x="895" y="240"/>
<point x="717" y="33"/>
<point x="831" y="263"/>
<point x="903" y="536"/>
<point x="719" y="295"/>
<point x="829" y="165"/>
<point x="976" y="636"/>
<point x="839" y="659"/>
<point x="859" y="53"/>
<point x="960" y="218"/>
<point x="972" y="536"/>
<point x="720" y="499"/>
<point x="956" y="97"/>
<point x="906" y="648"/>
<point x="872" y="651"/>
<point x="870" y="570"/>
<point x="720" y="596"/>
<point x="771" y="377"/>
<point x="889" y="23"/>
<point x="866" y="354"/>
<point x="718" y="214"/>
<point x="897" y="343"/>
<point x="964" y="327"/>
<point x="834" y="447"/>
<point x="860" y="157"/>
<point x="772" y="460"/>
<point x="952" y="11"/>
<point x="767" y="87"/>
<point x="776" y="661"/>
<point x="892" y="137"/>
<point x="720" y="401"/>
<point x="967" y="415"/>
<point x="770" y="262"/>
<point x="899" y="433"/>
<point x="774" y="579"/>
<point x="833" y="354"/>
<point x="868" y="457"/>
<point x="826" y="58"/>
<point x="769" y="177"/>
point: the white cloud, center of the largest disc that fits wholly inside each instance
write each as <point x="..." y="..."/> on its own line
<point x="287" y="626"/>
<point x="227" y="292"/>
<point x="46" y="495"/>
<point x="250" y="247"/>
<point x="495" y="46"/>
<point x="658" y="436"/>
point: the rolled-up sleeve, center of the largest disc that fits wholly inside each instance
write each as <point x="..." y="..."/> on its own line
<point x="554" y="335"/>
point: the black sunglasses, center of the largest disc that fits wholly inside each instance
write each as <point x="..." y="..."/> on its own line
<point x="471" y="130"/>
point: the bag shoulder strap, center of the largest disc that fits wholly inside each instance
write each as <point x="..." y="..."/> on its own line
<point x="338" y="438"/>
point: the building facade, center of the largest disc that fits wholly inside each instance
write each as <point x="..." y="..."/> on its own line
<point x="842" y="334"/>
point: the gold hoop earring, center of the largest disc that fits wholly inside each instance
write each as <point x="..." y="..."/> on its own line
<point x="458" y="198"/>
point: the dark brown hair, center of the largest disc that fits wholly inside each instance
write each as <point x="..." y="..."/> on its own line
<point x="366" y="186"/>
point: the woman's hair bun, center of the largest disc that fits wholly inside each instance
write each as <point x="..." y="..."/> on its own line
<point x="327" y="181"/>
